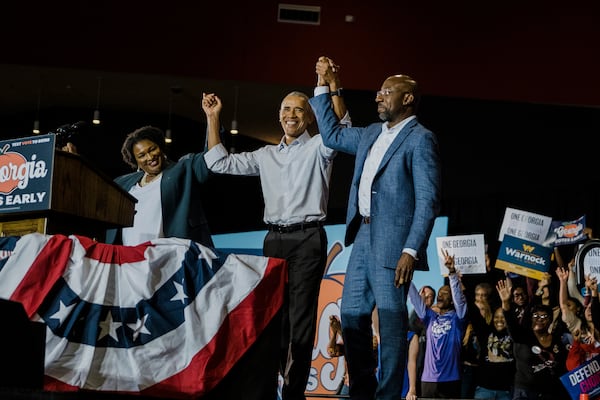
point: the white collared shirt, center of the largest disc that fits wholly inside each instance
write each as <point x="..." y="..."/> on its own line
<point x="376" y="153"/>
<point x="147" y="220"/>
<point x="294" y="177"/>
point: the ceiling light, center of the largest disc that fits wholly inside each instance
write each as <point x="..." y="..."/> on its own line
<point x="36" y="127"/>
<point x="234" y="126"/>
<point x="36" y="123"/>
<point x="96" y="119"/>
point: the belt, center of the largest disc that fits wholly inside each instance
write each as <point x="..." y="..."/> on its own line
<point x="366" y="220"/>
<point x="294" y="227"/>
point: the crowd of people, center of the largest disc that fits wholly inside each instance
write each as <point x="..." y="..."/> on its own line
<point x="507" y="338"/>
<point x="511" y="342"/>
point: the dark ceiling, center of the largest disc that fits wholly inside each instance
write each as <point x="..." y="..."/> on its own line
<point x="467" y="56"/>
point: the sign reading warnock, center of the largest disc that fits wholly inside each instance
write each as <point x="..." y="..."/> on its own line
<point x="26" y="173"/>
<point x="524" y="257"/>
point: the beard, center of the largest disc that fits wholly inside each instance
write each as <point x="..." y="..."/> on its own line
<point x="385" y="116"/>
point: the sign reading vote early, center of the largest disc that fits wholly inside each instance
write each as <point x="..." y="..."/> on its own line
<point x="524" y="257"/>
<point x="26" y="173"/>
<point x="583" y="379"/>
<point x="468" y="252"/>
<point x="567" y="232"/>
<point x="525" y="225"/>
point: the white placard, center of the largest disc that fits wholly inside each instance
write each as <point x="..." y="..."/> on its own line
<point x="468" y="252"/>
<point x="525" y="225"/>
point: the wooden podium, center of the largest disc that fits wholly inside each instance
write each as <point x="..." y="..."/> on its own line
<point x="83" y="201"/>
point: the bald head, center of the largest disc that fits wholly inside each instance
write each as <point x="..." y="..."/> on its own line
<point x="407" y="84"/>
<point x="397" y="99"/>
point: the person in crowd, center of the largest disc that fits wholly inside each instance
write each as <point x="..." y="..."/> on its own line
<point x="409" y="387"/>
<point x="445" y="330"/>
<point x="496" y="366"/>
<point x="335" y="348"/>
<point x="416" y="325"/>
<point x="540" y="355"/>
<point x="294" y="176"/>
<point x="571" y="309"/>
<point x="520" y="304"/>
<point x="393" y="202"/>
<point x="168" y="193"/>
<point x="471" y="346"/>
<point x="584" y="343"/>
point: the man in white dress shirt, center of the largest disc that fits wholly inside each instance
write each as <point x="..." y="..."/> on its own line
<point x="294" y="176"/>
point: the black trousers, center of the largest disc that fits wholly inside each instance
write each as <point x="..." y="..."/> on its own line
<point x="306" y="253"/>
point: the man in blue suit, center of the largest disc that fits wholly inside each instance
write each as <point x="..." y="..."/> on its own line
<point x="394" y="200"/>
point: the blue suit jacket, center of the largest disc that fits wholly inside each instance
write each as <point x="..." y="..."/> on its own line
<point x="405" y="197"/>
<point x="182" y="212"/>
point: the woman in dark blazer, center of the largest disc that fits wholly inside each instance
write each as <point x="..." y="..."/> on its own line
<point x="168" y="192"/>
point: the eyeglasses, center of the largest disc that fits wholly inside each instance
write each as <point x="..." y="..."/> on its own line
<point x="540" y="316"/>
<point x="386" y="92"/>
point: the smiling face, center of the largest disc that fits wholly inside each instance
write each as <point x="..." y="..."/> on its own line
<point x="499" y="320"/>
<point x="149" y="157"/>
<point x="444" y="298"/>
<point x="540" y="321"/>
<point x="295" y="115"/>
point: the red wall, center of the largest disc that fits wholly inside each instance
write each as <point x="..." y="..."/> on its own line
<point x="511" y="50"/>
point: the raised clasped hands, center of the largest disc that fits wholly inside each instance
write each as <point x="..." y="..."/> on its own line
<point x="327" y="72"/>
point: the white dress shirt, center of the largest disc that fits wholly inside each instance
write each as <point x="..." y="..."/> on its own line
<point x="294" y="178"/>
<point x="147" y="220"/>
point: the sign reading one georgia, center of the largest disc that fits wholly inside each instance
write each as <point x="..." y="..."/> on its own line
<point x="26" y="173"/>
<point x="468" y="252"/>
<point x="525" y="225"/>
<point x="587" y="261"/>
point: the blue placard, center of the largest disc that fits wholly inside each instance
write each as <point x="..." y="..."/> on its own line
<point x="567" y="232"/>
<point x="524" y="257"/>
<point x="26" y="173"/>
<point x="583" y="379"/>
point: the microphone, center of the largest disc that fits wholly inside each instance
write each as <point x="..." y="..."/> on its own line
<point x="67" y="132"/>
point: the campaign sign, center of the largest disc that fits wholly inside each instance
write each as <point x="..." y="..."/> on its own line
<point x="587" y="260"/>
<point x="525" y="225"/>
<point x="468" y="252"/>
<point x="567" y="232"/>
<point x="583" y="379"/>
<point x="524" y="257"/>
<point x="26" y="173"/>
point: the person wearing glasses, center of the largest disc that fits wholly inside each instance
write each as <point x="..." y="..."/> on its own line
<point x="540" y="356"/>
<point x="393" y="202"/>
<point x="294" y="176"/>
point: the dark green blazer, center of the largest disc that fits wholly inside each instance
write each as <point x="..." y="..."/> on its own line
<point x="180" y="188"/>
